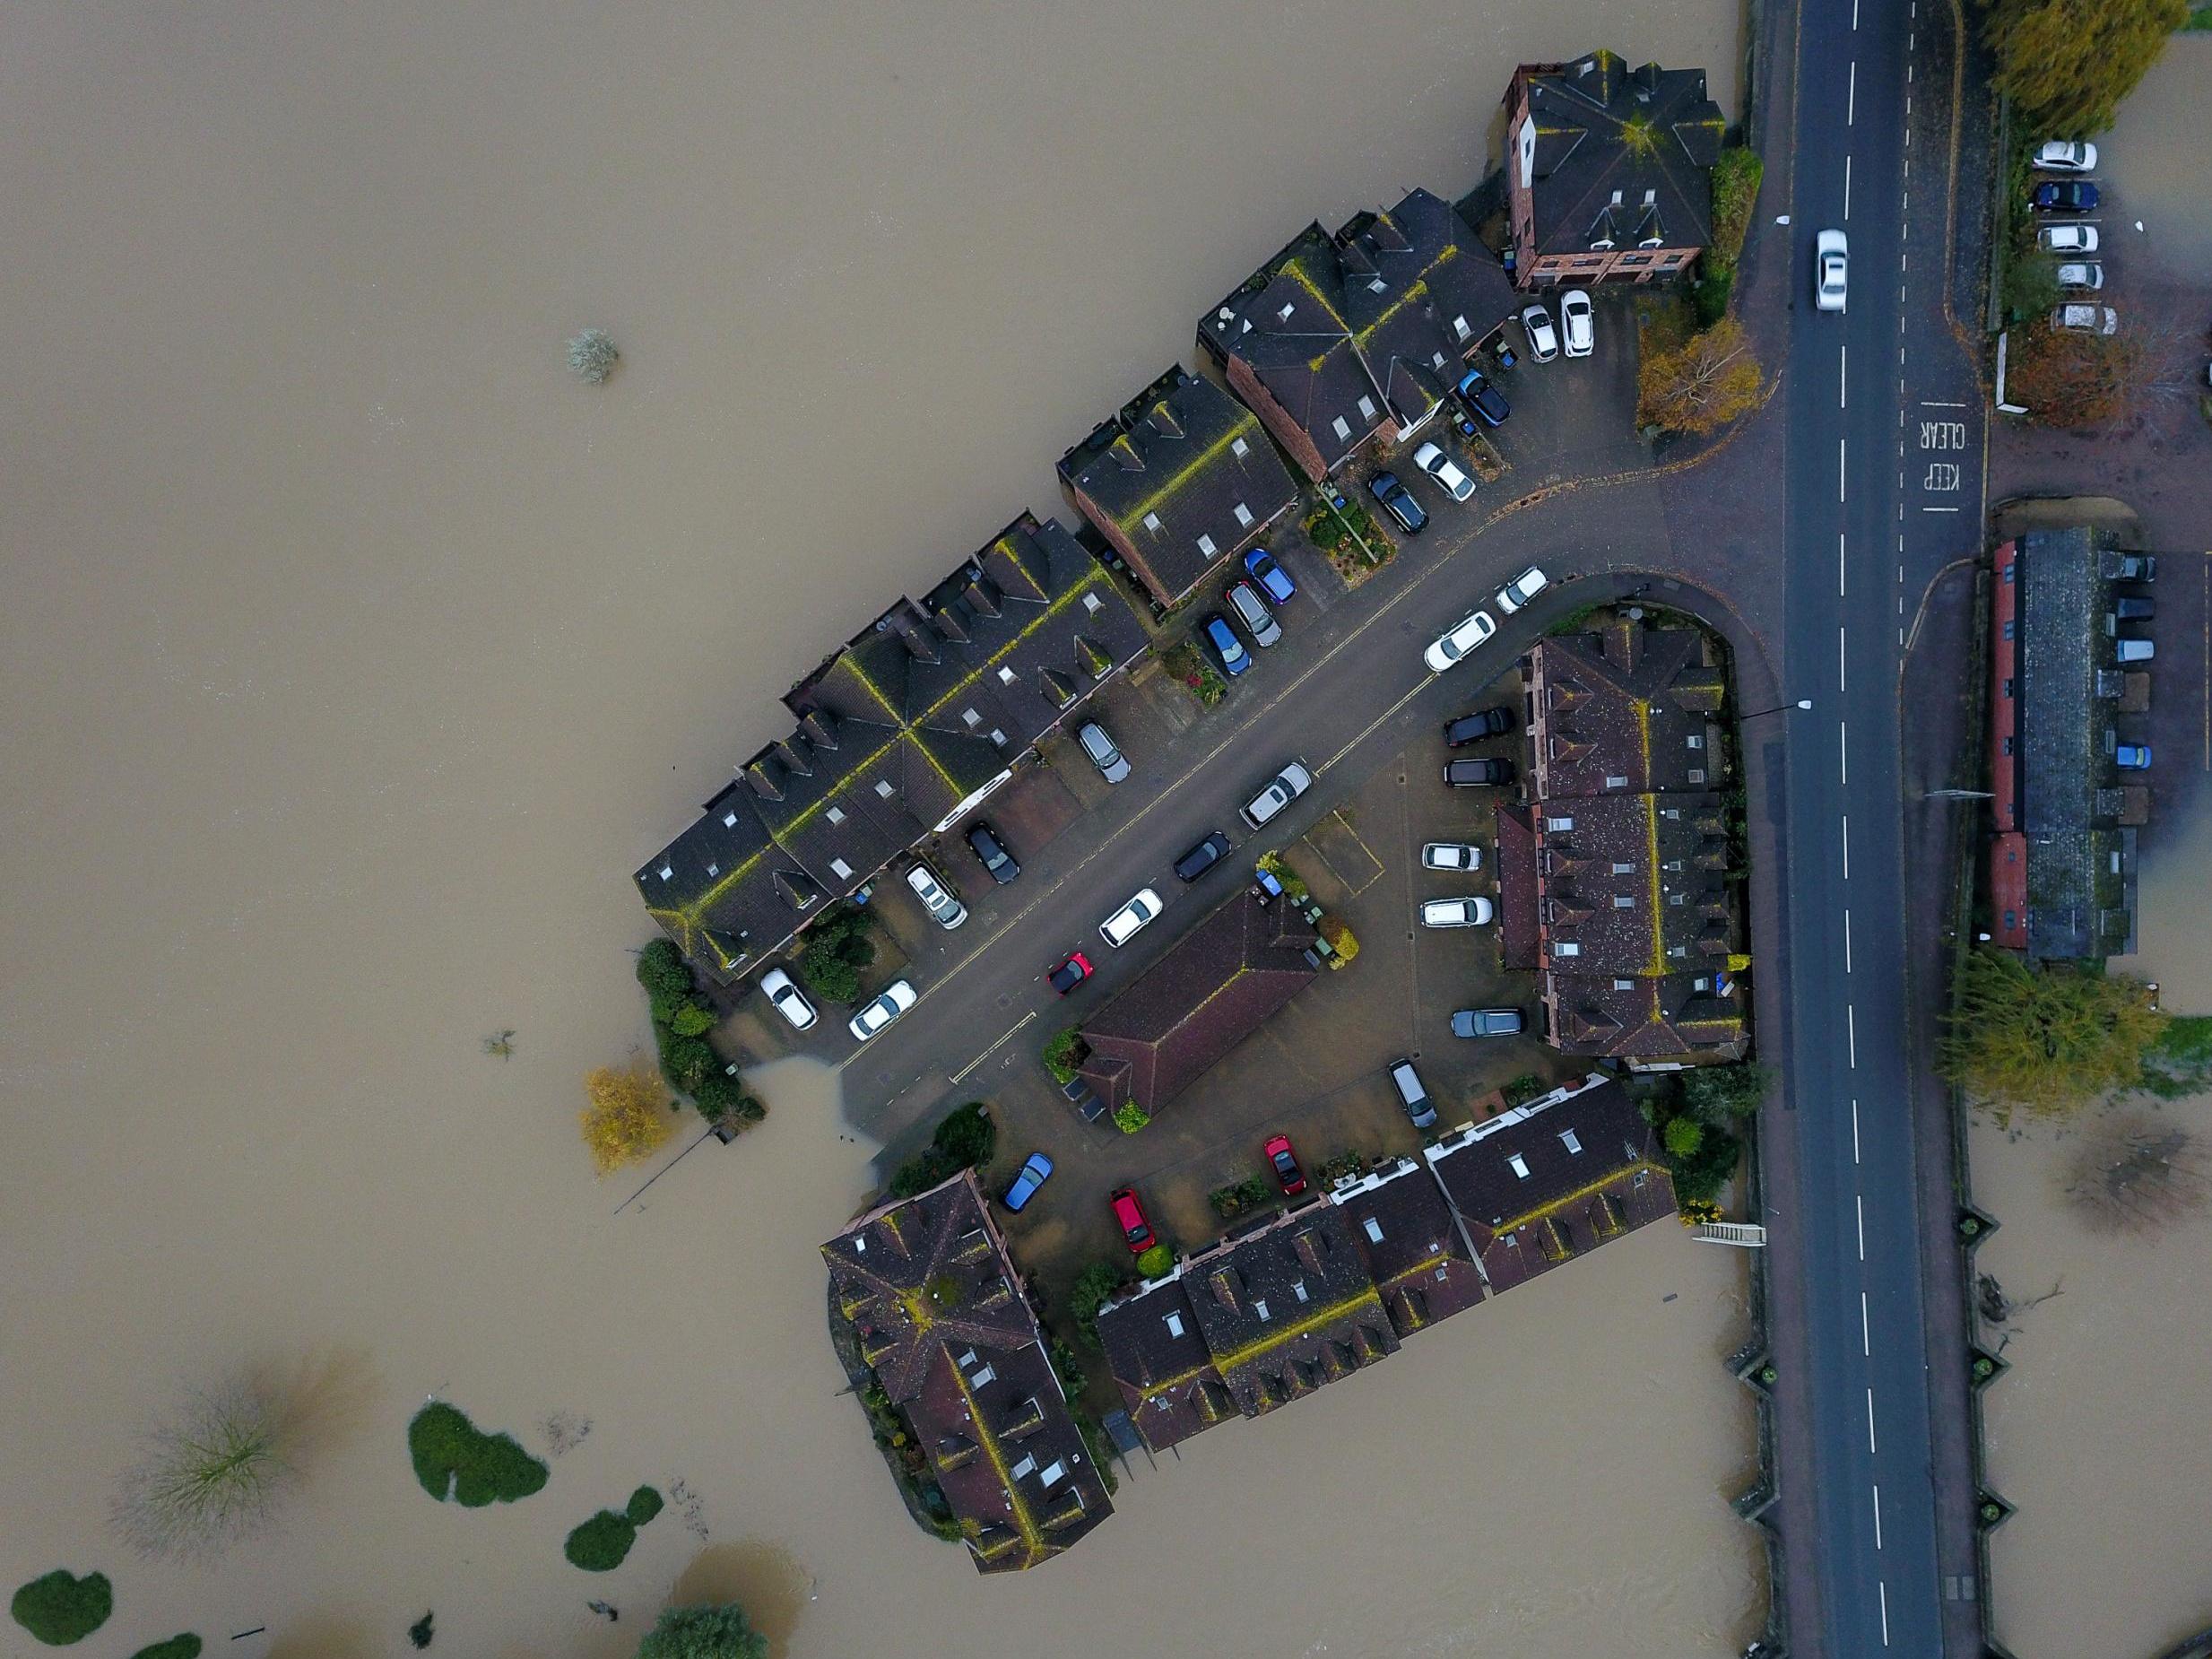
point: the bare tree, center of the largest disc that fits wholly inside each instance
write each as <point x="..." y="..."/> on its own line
<point x="213" y="1474"/>
<point x="2135" y="1174"/>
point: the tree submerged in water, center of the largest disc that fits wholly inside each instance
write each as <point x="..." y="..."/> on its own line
<point x="592" y="356"/>
<point x="2134" y="1173"/>
<point x="212" y="1475"/>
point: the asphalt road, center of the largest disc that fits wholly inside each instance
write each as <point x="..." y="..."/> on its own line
<point x="1883" y="484"/>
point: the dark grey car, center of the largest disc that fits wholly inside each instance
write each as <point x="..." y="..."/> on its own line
<point x="992" y="852"/>
<point x="1487" y="1022"/>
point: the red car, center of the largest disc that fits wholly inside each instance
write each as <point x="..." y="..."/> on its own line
<point x="1069" y="973"/>
<point x="1285" y="1163"/>
<point x="1136" y="1231"/>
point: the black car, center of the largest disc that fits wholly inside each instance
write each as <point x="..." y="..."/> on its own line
<point x="1398" y="502"/>
<point x="1466" y="774"/>
<point x="2072" y="195"/>
<point x="1473" y="728"/>
<point x="992" y="852"/>
<point x="1487" y="1022"/>
<point x="2134" y="610"/>
<point x="1484" y="399"/>
<point x="1203" y="857"/>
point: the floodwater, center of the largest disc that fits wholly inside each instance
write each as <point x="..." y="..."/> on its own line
<point x="2159" y="154"/>
<point x="353" y="656"/>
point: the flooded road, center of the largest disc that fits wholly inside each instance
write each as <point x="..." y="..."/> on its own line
<point x="353" y="654"/>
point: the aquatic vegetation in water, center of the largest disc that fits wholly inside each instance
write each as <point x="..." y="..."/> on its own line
<point x="592" y="356"/>
<point x="61" y="1608"/>
<point x="602" y="1543"/>
<point x="456" y="1459"/>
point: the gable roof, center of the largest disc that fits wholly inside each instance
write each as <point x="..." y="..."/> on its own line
<point x="1420" y="291"/>
<point x="1634" y="884"/>
<point x="1156" y="1352"/>
<point x="1624" y="701"/>
<point x="1416" y="1253"/>
<point x="1673" y="1016"/>
<point x="1545" y="1158"/>
<point x="1621" y="157"/>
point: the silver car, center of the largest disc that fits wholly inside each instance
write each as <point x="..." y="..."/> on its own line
<point x="1286" y="785"/>
<point x="1103" y="754"/>
<point x="1543" y="339"/>
<point x="1253" y="612"/>
<point x="1831" y="269"/>
<point x="1455" y="913"/>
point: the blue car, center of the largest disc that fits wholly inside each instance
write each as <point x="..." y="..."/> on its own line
<point x="1235" y="658"/>
<point x="1261" y="566"/>
<point x="1485" y="400"/>
<point x="2133" y="758"/>
<point x="1032" y="1176"/>
<point x="2074" y="196"/>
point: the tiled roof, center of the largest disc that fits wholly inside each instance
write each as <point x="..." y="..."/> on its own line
<point x="2060" y="641"/>
<point x="1629" y="703"/>
<point x="1621" y="157"/>
<point x="1420" y="1259"/>
<point x="1420" y="291"/>
<point x="1682" y="1015"/>
<point x="1158" y="1355"/>
<point x="1632" y="884"/>
<point x="1518" y="895"/>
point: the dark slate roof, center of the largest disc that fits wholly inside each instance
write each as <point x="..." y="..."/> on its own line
<point x="1289" y="323"/>
<point x="1517" y="893"/>
<point x="1622" y="157"/>
<point x="2060" y="641"/>
<point x="1159" y="1357"/>
<point x="1213" y="988"/>
<point x="1695" y="1013"/>
<point x="1183" y="477"/>
<point x="1419" y="293"/>
<point x="1420" y="1261"/>
<point x="1632" y="884"/>
<point x="1630" y="702"/>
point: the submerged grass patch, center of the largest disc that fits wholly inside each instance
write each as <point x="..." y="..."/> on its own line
<point x="456" y="1459"/>
<point x="602" y="1543"/>
<point x="60" y="1608"/>
<point x="185" y="1646"/>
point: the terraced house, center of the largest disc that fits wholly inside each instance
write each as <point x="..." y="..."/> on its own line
<point x="941" y="1318"/>
<point x="900" y="733"/>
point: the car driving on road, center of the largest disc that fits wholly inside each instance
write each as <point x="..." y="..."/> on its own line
<point x="1069" y="972"/>
<point x="1118" y="929"/>
<point x="874" y="1015"/>
<point x="1104" y="755"/>
<point x="787" y="999"/>
<point x="1831" y="269"/>
<point x="1431" y="459"/>
<point x="1398" y="502"/>
<point x="1451" y="856"/>
<point x="1455" y="912"/>
<point x="1463" y="636"/>
<point x="1543" y="341"/>
<point x="1575" y="322"/>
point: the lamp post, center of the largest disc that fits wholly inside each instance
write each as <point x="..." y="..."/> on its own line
<point x="1802" y="702"/>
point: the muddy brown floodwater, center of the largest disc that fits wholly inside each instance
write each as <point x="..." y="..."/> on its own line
<point x="352" y="655"/>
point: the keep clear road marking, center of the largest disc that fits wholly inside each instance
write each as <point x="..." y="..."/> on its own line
<point x="994" y="1047"/>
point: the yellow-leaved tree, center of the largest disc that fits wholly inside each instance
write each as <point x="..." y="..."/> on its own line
<point x="627" y="1117"/>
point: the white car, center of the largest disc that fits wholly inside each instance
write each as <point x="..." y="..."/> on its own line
<point x="2086" y="319"/>
<point x="1451" y="856"/>
<point x="1118" y="929"/>
<point x="1543" y="343"/>
<point x="2088" y="274"/>
<point x="1831" y="269"/>
<point x="1574" y="319"/>
<point x="790" y="1000"/>
<point x="2063" y="156"/>
<point x="1286" y="786"/>
<point x="1523" y="588"/>
<point x="1470" y="631"/>
<point x="1439" y="466"/>
<point x="1455" y="912"/>
<point x="2069" y="239"/>
<point x="898" y="997"/>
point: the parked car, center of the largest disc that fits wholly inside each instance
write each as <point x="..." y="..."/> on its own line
<point x="1118" y="929"/>
<point x="2072" y="195"/>
<point x="1226" y="646"/>
<point x="1136" y="1231"/>
<point x="1575" y="322"/>
<point x="1273" y="579"/>
<point x="1451" y="856"/>
<point x="2067" y="239"/>
<point x="2133" y="609"/>
<point x="2132" y="757"/>
<point x="873" y="1016"/>
<point x="1203" y="857"/>
<point x="1069" y="972"/>
<point x="1543" y="343"/>
<point x="1034" y="1174"/>
<point x="1095" y="743"/>
<point x="1473" y="728"/>
<point x="2133" y="650"/>
<point x="1470" y="774"/>
<point x="1398" y="502"/>
<point x="1455" y="912"/>
<point x="1463" y="636"/>
<point x="987" y="847"/>
<point x="1487" y="1022"/>
<point x="2086" y="319"/>
<point x="1253" y="612"/>
<point x="1484" y="400"/>
<point x="1285" y="1163"/>
<point x="1407" y="1081"/>
<point x="936" y="898"/>
<point x="1831" y="269"/>
<point x="787" y="999"/>
<point x="1523" y="588"/>
<point x="2118" y="567"/>
<point x="1286" y="786"/>
<point x="2088" y="274"/>
<point x="2061" y="155"/>
<point x="1440" y="466"/>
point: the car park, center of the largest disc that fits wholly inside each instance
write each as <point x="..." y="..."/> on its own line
<point x="787" y="999"/>
<point x="1477" y="773"/>
<point x="1543" y="341"/>
<point x="880" y="1011"/>
<point x="1095" y="743"/>
<point x="1286" y="786"/>
<point x="2072" y="195"/>
<point x="2088" y="274"/>
<point x="1523" y="588"/>
<point x="1831" y="269"/>
<point x="1253" y="612"/>
<point x="1484" y="400"/>
<point x="1398" y="502"/>
<point x="1473" y="728"/>
<point x="991" y="852"/>
<point x="1411" y="1095"/>
<point x="1455" y="912"/>
<point x="2132" y="757"/>
<point x="2067" y="239"/>
<point x="936" y="898"/>
<point x="1431" y="459"/>
<point x="1129" y="1215"/>
<point x="1273" y="579"/>
<point x="1451" y="856"/>
<point x="1197" y="860"/>
<point x="2060" y="155"/>
<point x="1488" y="1022"/>
<point x="2132" y="610"/>
<point x="1463" y="636"/>
<point x="2086" y="319"/>
<point x="1069" y="972"/>
<point x="1284" y="1162"/>
<point x="1575" y="322"/>
<point x="1118" y="929"/>
<point x="1033" y="1174"/>
<point x="1226" y="646"/>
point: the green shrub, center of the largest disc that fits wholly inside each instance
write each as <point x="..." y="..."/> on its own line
<point x="602" y="1543"/>
<point x="454" y="1459"/>
<point x="61" y="1608"/>
<point x="704" y="1633"/>
<point x="1343" y="1165"/>
<point x="1092" y="1286"/>
<point x="687" y="1061"/>
<point x="419" y="1633"/>
<point x="662" y="970"/>
<point x="1716" y="1094"/>
<point x="1240" y="1198"/>
<point x="1700" y="1175"/>
<point x="1520" y="1091"/>
<point x="185" y="1646"/>
<point x="719" y="1096"/>
<point x="1129" y="1117"/>
<point x="1064" y="1054"/>
<point x="592" y="356"/>
<point x="966" y="1139"/>
<point x="1342" y="940"/>
<point x="1709" y="297"/>
<point x="1683" y="1136"/>
<point x="693" y="1019"/>
<point x="827" y="974"/>
<point x="1155" y="1263"/>
<point x="1068" y="1366"/>
<point x="1736" y="177"/>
